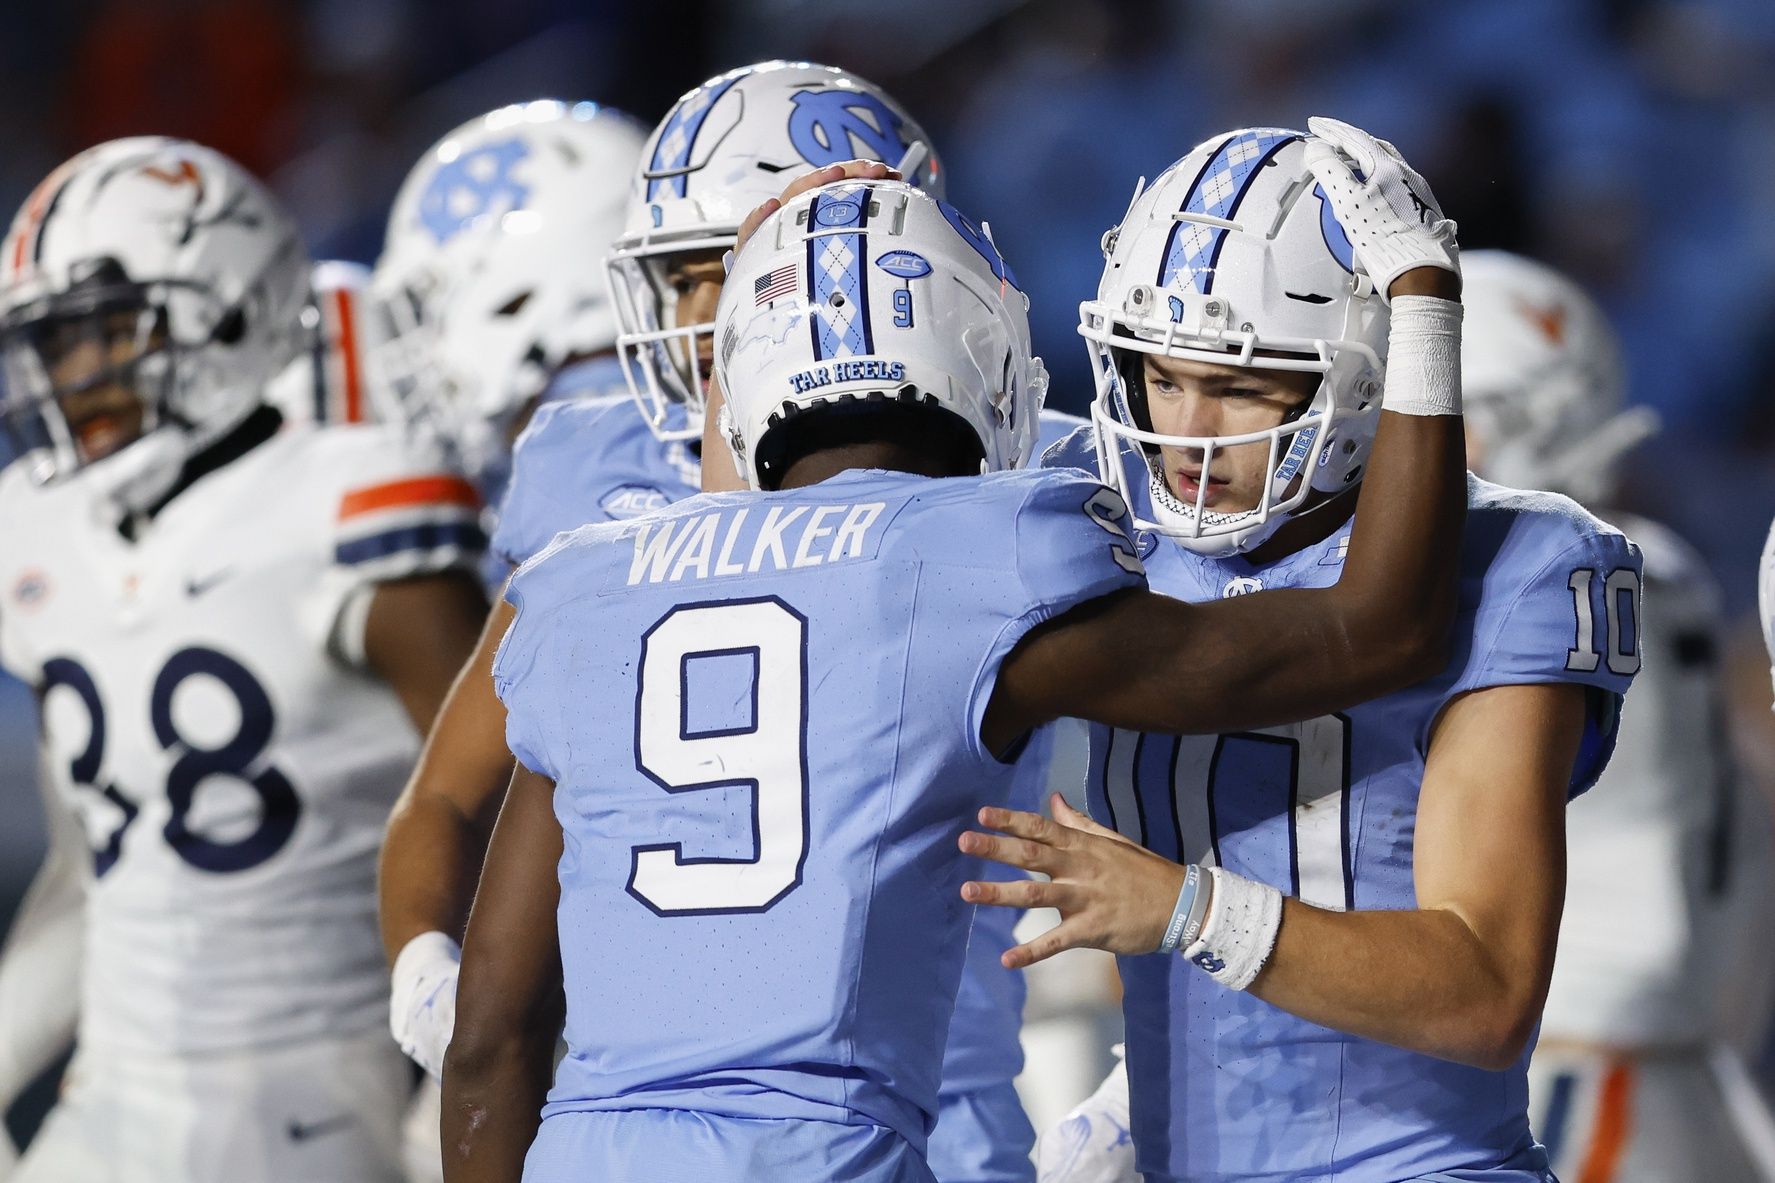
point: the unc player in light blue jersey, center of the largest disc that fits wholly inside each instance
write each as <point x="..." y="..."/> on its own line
<point x="747" y="880"/>
<point x="483" y="326"/>
<point x="1364" y="963"/>
<point x="720" y="152"/>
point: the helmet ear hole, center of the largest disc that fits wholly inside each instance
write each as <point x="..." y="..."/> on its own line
<point x="231" y="328"/>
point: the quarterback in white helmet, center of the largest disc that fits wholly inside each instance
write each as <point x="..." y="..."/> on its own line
<point x="1352" y="988"/>
<point x="1665" y="884"/>
<point x="236" y="628"/>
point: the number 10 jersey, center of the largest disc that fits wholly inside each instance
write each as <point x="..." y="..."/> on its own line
<point x="1227" y="1087"/>
<point x="232" y="766"/>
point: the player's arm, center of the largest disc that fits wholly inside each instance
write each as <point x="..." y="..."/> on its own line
<point x="1463" y="976"/>
<point x="40" y="963"/>
<point x="417" y="634"/>
<point x="431" y="856"/>
<point x="496" y="1072"/>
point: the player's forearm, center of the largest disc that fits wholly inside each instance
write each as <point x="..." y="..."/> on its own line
<point x="1422" y="980"/>
<point x="40" y="978"/>
<point x="431" y="860"/>
<point x="494" y="1089"/>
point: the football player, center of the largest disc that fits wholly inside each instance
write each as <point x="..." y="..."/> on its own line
<point x="236" y="631"/>
<point x="476" y="323"/>
<point x="758" y="921"/>
<point x="722" y="149"/>
<point x="1630" y="1079"/>
<point x="1359" y="975"/>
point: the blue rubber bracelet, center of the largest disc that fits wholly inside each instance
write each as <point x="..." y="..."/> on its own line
<point x="1177" y="934"/>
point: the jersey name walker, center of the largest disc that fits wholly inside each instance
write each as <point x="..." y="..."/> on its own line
<point x="760" y="912"/>
<point x="1227" y="1087"/>
<point x="233" y="774"/>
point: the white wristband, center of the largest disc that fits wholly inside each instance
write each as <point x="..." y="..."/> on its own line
<point x="1424" y="357"/>
<point x="1244" y="919"/>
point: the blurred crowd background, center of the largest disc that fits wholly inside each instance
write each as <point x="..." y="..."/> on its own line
<point x="1629" y="142"/>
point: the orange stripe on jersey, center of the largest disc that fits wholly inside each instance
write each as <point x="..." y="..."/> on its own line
<point x="348" y="360"/>
<point x="421" y="490"/>
<point x="1614" y="1123"/>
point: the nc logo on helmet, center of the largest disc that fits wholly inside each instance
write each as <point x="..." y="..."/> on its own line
<point x="477" y="183"/>
<point x="828" y="126"/>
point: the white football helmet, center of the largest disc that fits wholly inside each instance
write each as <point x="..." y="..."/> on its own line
<point x="724" y="149"/>
<point x="867" y="292"/>
<point x="1232" y="256"/>
<point x="176" y="270"/>
<point x="489" y="276"/>
<point x="1541" y="380"/>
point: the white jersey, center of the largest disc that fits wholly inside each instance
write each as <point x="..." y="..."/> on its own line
<point x="232" y="766"/>
<point x="1657" y="863"/>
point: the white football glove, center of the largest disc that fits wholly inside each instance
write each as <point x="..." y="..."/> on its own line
<point x="1091" y="1144"/>
<point x="1386" y="208"/>
<point x="422" y="1003"/>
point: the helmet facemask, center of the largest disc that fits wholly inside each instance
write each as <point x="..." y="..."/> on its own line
<point x="665" y="362"/>
<point x="81" y="364"/>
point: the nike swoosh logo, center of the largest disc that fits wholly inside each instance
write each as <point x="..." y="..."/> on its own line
<point x="197" y="586"/>
<point x="302" y="1131"/>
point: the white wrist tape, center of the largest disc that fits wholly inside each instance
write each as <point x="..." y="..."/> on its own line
<point x="422" y="998"/>
<point x="1244" y="918"/>
<point x="1424" y="357"/>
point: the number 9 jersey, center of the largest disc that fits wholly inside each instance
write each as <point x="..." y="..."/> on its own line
<point x="761" y="712"/>
<point x="207" y="716"/>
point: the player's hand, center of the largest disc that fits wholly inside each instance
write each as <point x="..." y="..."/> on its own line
<point x="422" y="1002"/>
<point x="849" y="170"/>
<point x="1092" y="1143"/>
<point x="1111" y="893"/>
<point x="1383" y="205"/>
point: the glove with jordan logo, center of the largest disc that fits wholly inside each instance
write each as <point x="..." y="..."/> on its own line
<point x="1385" y="208"/>
<point x="1091" y="1144"/>
<point x="422" y="1003"/>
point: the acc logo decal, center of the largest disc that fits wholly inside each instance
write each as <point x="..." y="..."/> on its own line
<point x="631" y="501"/>
<point x="31" y="590"/>
<point x="905" y="264"/>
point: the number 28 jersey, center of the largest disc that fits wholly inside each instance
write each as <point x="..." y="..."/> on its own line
<point x="761" y="713"/>
<point x="232" y="766"/>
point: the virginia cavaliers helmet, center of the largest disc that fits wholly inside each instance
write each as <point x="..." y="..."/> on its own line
<point x="1233" y="257"/>
<point x="721" y="151"/>
<point x="868" y="293"/>
<point x="148" y="282"/>
<point x="1541" y="380"/>
<point x="490" y="275"/>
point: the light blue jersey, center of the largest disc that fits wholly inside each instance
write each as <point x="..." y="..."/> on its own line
<point x="1225" y="1086"/>
<point x="760" y="913"/>
<point x="584" y="460"/>
<point x="598" y="452"/>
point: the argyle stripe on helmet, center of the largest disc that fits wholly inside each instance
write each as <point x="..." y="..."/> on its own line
<point x="1192" y="248"/>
